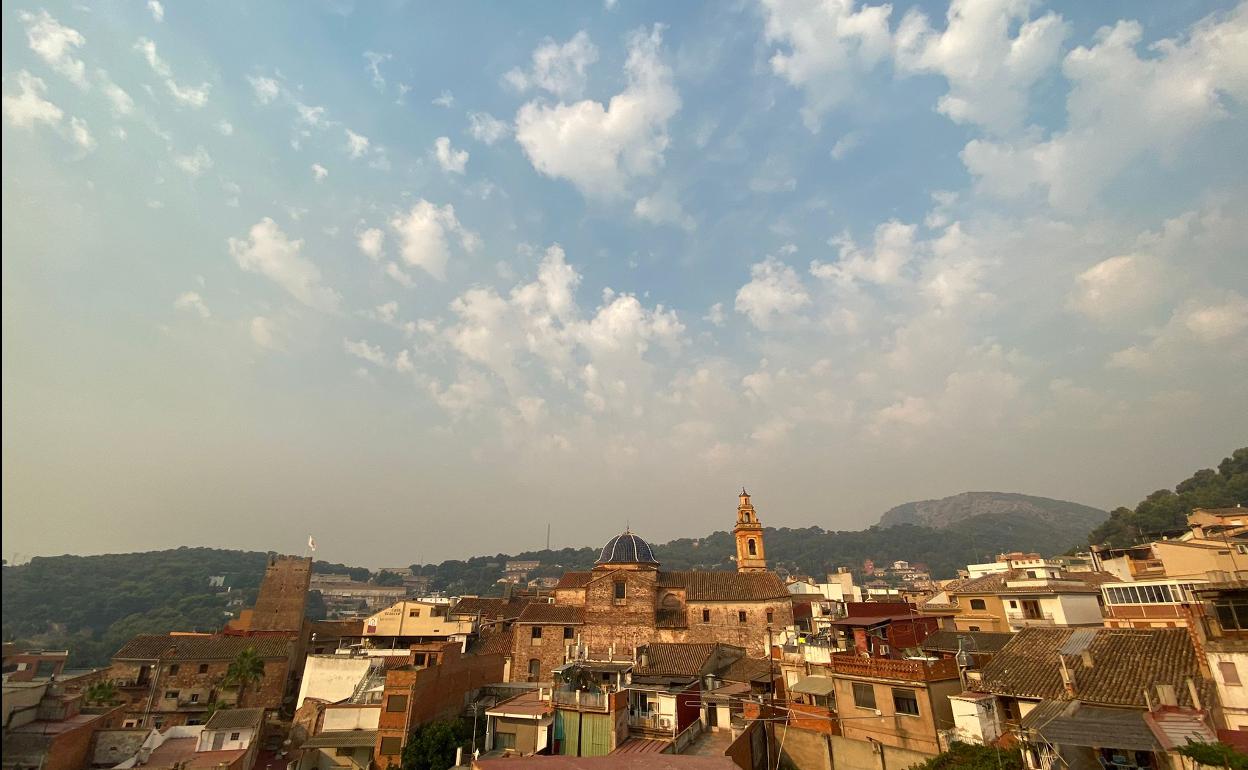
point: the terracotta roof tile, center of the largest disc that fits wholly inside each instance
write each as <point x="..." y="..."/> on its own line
<point x="670" y="659"/>
<point x="574" y="580"/>
<point x="981" y="641"/>
<point x="222" y="719"/>
<point x="167" y="647"/>
<point x="490" y="607"/>
<point x="552" y="614"/>
<point x="493" y="642"/>
<point x="1124" y="662"/>
<point x="748" y="670"/>
<point x="720" y="586"/>
<point x="995" y="583"/>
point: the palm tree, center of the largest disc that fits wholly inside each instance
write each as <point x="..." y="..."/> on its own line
<point x="246" y="669"/>
<point x="101" y="692"/>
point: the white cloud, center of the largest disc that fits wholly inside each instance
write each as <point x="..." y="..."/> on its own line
<point x="601" y="148"/>
<point x="844" y="145"/>
<point x="80" y="134"/>
<point x="403" y="362"/>
<point x="990" y="73"/>
<point x="269" y="252"/>
<point x="1193" y="328"/>
<point x="224" y="127"/>
<point x="773" y="294"/>
<point x="444" y="100"/>
<point x="374" y="61"/>
<point x="158" y="10"/>
<point x="265" y="89"/>
<point x="357" y="144"/>
<point x="264" y="333"/>
<point x="190" y="96"/>
<point x="451" y="160"/>
<point x="118" y="99"/>
<point x="191" y="302"/>
<point x="486" y="128"/>
<point x="1121" y="109"/>
<point x="28" y="107"/>
<point x="399" y="276"/>
<point x="1116" y="287"/>
<point x="310" y="115"/>
<point x="893" y="250"/>
<point x="363" y="350"/>
<point x="194" y="164"/>
<point x="716" y="314"/>
<point x="370" y="242"/>
<point x="662" y="208"/>
<point x="55" y="44"/>
<point x="1211" y="324"/>
<point x="423" y="236"/>
<point x="830" y="47"/>
<point x="319" y="172"/>
<point x="559" y="69"/>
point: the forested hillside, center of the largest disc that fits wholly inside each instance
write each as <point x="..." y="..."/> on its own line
<point x="1166" y="509"/>
<point x="1063" y="515"/>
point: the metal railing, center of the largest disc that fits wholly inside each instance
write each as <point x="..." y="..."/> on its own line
<point x="1030" y="618"/>
<point x="653" y="721"/>
<point x="588" y="700"/>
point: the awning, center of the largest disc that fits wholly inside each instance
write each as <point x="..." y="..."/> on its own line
<point x="814" y="685"/>
<point x="342" y="739"/>
<point x="1070" y="723"/>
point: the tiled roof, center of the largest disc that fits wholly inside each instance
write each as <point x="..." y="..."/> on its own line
<point x="224" y="719"/>
<point x="995" y="583"/>
<point x="748" y="670"/>
<point x="167" y="647"/>
<point x="1125" y="662"/>
<point x="720" y="586"/>
<point x="664" y="659"/>
<point x="553" y="614"/>
<point x="493" y="642"/>
<point x="980" y="641"/>
<point x="575" y="580"/>
<point x="490" y="606"/>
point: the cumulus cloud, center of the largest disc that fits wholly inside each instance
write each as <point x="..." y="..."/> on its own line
<point x="190" y="96"/>
<point x="773" y="294"/>
<point x="558" y="68"/>
<point x="397" y="274"/>
<point x="157" y="10"/>
<point x="451" y="160"/>
<point x="370" y="242"/>
<point x="364" y="351"/>
<point x="191" y="302"/>
<point x="883" y="264"/>
<point x="444" y="100"/>
<point x="264" y="333"/>
<point x="486" y="128"/>
<point x="269" y="252"/>
<point x="28" y="107"/>
<point x="1210" y="322"/>
<point x="990" y="73"/>
<point x="80" y="134"/>
<point x="120" y="101"/>
<point x="194" y="164"/>
<point x="265" y="89"/>
<point x="357" y="144"/>
<point x="319" y="172"/>
<point x="826" y="48"/>
<point x="600" y="148"/>
<point x="424" y="234"/>
<point x="1121" y="108"/>
<point x="55" y="44"/>
<point x="1117" y="287"/>
<point x="662" y="208"/>
<point x="224" y="127"/>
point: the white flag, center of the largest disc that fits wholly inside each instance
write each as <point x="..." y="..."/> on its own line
<point x="311" y="542"/>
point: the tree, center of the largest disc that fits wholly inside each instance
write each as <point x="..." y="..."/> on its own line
<point x="103" y="693"/>
<point x="970" y="756"/>
<point x="387" y="579"/>
<point x="246" y="669"/>
<point x="431" y="746"/>
<point x="1214" y="755"/>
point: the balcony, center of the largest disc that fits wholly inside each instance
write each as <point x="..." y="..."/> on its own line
<point x="1030" y="619"/>
<point x="582" y="700"/>
<point x="653" y="723"/>
<point x="901" y="670"/>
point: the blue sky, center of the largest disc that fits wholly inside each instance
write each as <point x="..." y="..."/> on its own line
<point x="456" y="271"/>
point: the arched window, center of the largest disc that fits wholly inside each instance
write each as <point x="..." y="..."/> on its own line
<point x="753" y="547"/>
<point x="535" y="669"/>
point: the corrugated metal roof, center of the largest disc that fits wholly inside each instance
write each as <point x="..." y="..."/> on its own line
<point x="814" y="685"/>
<point x="223" y="719"/>
<point x="342" y="739"/>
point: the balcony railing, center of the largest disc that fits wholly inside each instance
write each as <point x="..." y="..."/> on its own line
<point x="1030" y="618"/>
<point x="653" y="721"/>
<point x="883" y="668"/>
<point x="585" y="700"/>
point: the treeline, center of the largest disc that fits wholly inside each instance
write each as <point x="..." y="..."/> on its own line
<point x="1166" y="510"/>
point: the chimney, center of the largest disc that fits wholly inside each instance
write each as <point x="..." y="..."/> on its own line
<point x="1068" y="680"/>
<point x="1087" y="658"/>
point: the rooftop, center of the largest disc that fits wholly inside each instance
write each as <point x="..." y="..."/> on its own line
<point x="214" y="647"/>
<point x="686" y="660"/>
<point x="552" y="614"/>
<point x="973" y="641"/>
<point x="228" y="719"/>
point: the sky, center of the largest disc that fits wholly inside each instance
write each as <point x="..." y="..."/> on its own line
<point x="421" y="279"/>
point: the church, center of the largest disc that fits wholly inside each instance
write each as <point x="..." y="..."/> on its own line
<point x="628" y="600"/>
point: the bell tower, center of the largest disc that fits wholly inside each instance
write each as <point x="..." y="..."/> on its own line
<point x="749" y="535"/>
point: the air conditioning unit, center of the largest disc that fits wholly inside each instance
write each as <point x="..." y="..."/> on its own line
<point x="665" y="723"/>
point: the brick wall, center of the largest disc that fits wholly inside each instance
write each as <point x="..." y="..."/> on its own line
<point x="283" y="595"/>
<point x="198" y="677"/>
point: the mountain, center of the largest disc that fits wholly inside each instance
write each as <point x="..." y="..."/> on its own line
<point x="1066" y="518"/>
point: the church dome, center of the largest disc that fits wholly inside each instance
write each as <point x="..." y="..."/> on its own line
<point x="627" y="548"/>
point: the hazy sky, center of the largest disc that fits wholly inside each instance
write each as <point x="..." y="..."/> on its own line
<point x="421" y="278"/>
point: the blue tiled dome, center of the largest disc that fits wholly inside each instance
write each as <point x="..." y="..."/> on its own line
<point x="627" y="548"/>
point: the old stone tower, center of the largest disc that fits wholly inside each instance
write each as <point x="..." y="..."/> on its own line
<point x="749" y="534"/>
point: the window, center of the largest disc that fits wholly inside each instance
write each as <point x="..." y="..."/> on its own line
<point x="194" y="697"/>
<point x="771" y="615"/>
<point x="569" y="632"/>
<point x="864" y="695"/>
<point x="972" y="628"/>
<point x="1230" y="675"/>
<point x="706" y="616"/>
<point x="173" y="669"/>
<point x="905" y="702"/>
<point x="620" y="591"/>
<point x="535" y="669"/>
<point x="753" y="547"/>
<point x="203" y="668"/>
<point x="414" y="613"/>
<point x="438" y="612"/>
<point x="396" y="704"/>
<point x="234" y="736"/>
<point x="159" y="722"/>
<point x="504" y="741"/>
<point x="741" y="616"/>
<point x="536" y="635"/>
<point x="171" y="694"/>
<point x="391" y="746"/>
<point x="1232" y="615"/>
<point x="1013" y="604"/>
<point x="978" y="604"/>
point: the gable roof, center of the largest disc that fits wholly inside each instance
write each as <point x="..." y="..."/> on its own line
<point x="748" y="670"/>
<point x="216" y="647"/>
<point x="553" y="614"/>
<point x="721" y="586"/>
<point x="1124" y="662"/>
<point x="574" y="580"/>
<point x="228" y="719"/>
<point x="490" y="607"/>
<point x="995" y="583"/>
<point x="982" y="642"/>
<point x="673" y="659"/>
<point x="493" y="641"/>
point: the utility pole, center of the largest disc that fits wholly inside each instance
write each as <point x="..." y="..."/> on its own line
<point x="476" y="707"/>
<point x="771" y="675"/>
